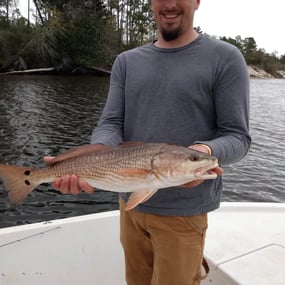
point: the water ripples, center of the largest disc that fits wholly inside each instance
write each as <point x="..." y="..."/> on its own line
<point x="260" y="176"/>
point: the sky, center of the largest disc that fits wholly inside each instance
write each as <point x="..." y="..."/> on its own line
<point x="263" y="20"/>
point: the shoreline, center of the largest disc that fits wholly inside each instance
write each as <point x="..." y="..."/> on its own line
<point x="259" y="73"/>
<point x="254" y="71"/>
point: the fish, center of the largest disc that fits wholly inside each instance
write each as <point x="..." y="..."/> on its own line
<point x="140" y="168"/>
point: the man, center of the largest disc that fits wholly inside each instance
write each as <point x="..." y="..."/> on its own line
<point x="184" y="88"/>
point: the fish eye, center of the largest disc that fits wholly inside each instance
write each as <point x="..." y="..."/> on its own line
<point x="194" y="157"/>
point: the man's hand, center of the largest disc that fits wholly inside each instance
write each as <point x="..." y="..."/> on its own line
<point x="70" y="183"/>
<point x="201" y="147"/>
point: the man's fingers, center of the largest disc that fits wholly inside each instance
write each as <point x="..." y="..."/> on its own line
<point x="85" y="187"/>
<point x="57" y="183"/>
<point x="47" y="159"/>
<point x="65" y="184"/>
<point x="218" y="170"/>
<point x="71" y="184"/>
<point x="74" y="187"/>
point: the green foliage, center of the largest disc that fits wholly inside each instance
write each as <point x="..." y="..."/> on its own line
<point x="88" y="34"/>
<point x="248" y="47"/>
<point x="198" y="29"/>
<point x="73" y="32"/>
<point x="69" y="33"/>
<point x="13" y="37"/>
<point x="282" y="60"/>
<point x="140" y="22"/>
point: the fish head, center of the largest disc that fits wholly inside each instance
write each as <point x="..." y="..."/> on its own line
<point x="181" y="165"/>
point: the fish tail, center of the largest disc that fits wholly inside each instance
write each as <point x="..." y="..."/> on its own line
<point x="17" y="182"/>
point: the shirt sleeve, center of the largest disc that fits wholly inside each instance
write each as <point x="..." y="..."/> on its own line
<point x="109" y="130"/>
<point x="231" y="97"/>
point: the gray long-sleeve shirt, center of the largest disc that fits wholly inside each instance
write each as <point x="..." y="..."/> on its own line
<point x="196" y="93"/>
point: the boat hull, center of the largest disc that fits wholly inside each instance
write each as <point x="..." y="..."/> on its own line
<point x="80" y="250"/>
<point x="245" y="244"/>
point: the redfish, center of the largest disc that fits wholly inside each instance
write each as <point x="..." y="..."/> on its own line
<point x="141" y="168"/>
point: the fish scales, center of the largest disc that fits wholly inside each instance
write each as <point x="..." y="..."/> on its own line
<point x="97" y="166"/>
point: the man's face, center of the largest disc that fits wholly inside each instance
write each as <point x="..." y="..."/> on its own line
<point x="174" y="17"/>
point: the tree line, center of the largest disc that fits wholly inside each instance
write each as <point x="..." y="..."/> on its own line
<point x="69" y="33"/>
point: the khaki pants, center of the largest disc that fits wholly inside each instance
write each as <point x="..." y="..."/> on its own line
<point x="162" y="250"/>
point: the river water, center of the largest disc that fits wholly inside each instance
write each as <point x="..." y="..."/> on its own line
<point x="46" y="115"/>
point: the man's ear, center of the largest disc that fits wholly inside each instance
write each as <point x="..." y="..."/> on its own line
<point x="197" y="4"/>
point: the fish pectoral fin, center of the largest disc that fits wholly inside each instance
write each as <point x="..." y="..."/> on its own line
<point x="138" y="198"/>
<point x="191" y="184"/>
<point x="134" y="172"/>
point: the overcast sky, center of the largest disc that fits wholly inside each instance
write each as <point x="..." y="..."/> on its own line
<point x="263" y="20"/>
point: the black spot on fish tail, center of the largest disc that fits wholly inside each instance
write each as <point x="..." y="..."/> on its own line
<point x="17" y="182"/>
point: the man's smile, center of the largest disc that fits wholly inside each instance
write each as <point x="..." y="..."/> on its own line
<point x="171" y="17"/>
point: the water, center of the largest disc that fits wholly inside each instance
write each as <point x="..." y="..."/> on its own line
<point x="260" y="176"/>
<point x="45" y="115"/>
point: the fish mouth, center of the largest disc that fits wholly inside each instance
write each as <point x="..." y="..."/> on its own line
<point x="206" y="172"/>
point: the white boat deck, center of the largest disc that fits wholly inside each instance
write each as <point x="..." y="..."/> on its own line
<point x="245" y="245"/>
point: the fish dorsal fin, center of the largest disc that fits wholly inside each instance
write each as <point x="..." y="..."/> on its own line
<point x="77" y="151"/>
<point x="130" y="144"/>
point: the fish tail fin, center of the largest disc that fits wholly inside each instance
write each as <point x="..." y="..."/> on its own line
<point x="17" y="182"/>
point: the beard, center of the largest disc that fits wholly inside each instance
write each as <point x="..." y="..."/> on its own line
<point x="170" y="35"/>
